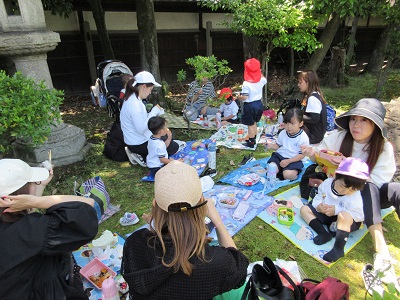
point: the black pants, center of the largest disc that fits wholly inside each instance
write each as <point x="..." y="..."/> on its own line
<point x="375" y="199"/>
<point x="142" y="149"/>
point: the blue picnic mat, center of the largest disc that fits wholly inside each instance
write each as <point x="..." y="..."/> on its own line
<point x="258" y="202"/>
<point x="195" y="154"/>
<point x="301" y="234"/>
<point x="258" y="167"/>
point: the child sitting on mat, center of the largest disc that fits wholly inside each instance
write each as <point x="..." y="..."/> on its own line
<point x="229" y="109"/>
<point x="338" y="200"/>
<point x="288" y="156"/>
<point x="158" y="154"/>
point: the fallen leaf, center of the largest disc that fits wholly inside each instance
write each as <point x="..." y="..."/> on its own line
<point x="232" y="163"/>
<point x="292" y="257"/>
<point x="260" y="227"/>
<point x="384" y="229"/>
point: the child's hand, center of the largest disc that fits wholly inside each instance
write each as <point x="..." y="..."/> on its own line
<point x="181" y="159"/>
<point x="284" y="163"/>
<point x="330" y="210"/>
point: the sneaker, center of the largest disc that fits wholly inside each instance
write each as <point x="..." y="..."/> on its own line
<point x="249" y="144"/>
<point x="181" y="144"/>
<point x="135" y="158"/>
<point x="129" y="219"/>
<point x="385" y="265"/>
<point x="247" y="159"/>
<point x="371" y="280"/>
<point x="208" y="172"/>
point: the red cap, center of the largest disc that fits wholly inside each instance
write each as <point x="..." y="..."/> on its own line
<point x="252" y="70"/>
<point x="225" y="93"/>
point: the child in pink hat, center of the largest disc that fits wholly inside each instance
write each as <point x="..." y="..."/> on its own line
<point x="251" y="95"/>
<point x="338" y="201"/>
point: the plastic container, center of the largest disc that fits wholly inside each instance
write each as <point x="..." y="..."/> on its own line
<point x="212" y="153"/>
<point x="229" y="202"/>
<point x="96" y="272"/>
<point x="110" y="290"/>
<point x="280" y="118"/>
<point x="271" y="176"/>
<point x="285" y="216"/>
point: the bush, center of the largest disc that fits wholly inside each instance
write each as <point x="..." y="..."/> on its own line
<point x="27" y="110"/>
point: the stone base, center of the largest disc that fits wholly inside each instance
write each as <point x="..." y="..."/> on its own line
<point x="66" y="142"/>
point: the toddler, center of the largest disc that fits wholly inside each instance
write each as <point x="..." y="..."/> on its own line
<point x="229" y="109"/>
<point x="156" y="147"/>
<point x="338" y="200"/>
<point x="252" y="91"/>
<point x="288" y="156"/>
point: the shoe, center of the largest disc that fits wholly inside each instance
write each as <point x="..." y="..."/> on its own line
<point x="385" y="265"/>
<point x="129" y="154"/>
<point x="248" y="144"/>
<point x="371" y="280"/>
<point x="181" y="144"/>
<point x="135" y="158"/>
<point x="129" y="219"/>
<point x="247" y="159"/>
<point x="208" y="172"/>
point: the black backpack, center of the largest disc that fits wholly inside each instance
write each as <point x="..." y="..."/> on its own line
<point x="306" y="190"/>
<point x="114" y="147"/>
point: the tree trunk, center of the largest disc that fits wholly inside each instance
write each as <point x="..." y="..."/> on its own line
<point x="352" y="41"/>
<point x="291" y="68"/>
<point x="251" y="47"/>
<point x="383" y="76"/>
<point x="335" y="76"/>
<point x="148" y="43"/>
<point x="99" y="18"/>
<point x="378" y="54"/>
<point x="326" y="40"/>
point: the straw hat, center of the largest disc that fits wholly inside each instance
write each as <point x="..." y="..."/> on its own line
<point x="252" y="70"/>
<point x="369" y="108"/>
<point x="177" y="182"/>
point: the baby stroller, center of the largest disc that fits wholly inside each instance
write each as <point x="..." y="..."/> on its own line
<point x="106" y="90"/>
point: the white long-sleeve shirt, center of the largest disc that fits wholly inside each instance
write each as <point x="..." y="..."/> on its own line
<point x="134" y="118"/>
<point x="385" y="166"/>
<point x="351" y="204"/>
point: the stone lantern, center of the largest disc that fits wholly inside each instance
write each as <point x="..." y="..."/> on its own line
<point x="25" y="41"/>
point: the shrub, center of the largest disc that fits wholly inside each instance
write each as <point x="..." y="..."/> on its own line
<point x="27" y="110"/>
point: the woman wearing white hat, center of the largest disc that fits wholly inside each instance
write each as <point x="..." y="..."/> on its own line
<point x="134" y="117"/>
<point x="173" y="259"/>
<point x="364" y="136"/>
<point x="35" y="248"/>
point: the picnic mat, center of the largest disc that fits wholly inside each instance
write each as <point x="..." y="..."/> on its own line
<point x="195" y="154"/>
<point x="175" y="121"/>
<point x="301" y="234"/>
<point x="85" y="254"/>
<point x="258" y="202"/>
<point x="258" y="167"/>
<point x="233" y="135"/>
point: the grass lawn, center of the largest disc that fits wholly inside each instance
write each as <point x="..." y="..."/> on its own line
<point x="257" y="239"/>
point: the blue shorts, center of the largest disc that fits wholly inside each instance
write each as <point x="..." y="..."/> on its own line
<point x="277" y="158"/>
<point x="252" y="112"/>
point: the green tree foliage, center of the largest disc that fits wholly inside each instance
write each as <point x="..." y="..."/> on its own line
<point x="63" y="8"/>
<point x="276" y="23"/>
<point x="27" y="110"/>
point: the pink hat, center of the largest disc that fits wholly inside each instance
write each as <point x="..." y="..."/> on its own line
<point x="353" y="167"/>
<point x="252" y="70"/>
<point x="225" y="93"/>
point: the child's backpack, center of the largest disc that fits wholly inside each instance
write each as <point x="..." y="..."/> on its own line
<point x="114" y="147"/>
<point x="330" y="116"/>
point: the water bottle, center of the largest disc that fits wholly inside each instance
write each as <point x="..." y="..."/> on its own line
<point x="280" y="118"/>
<point x="271" y="176"/>
<point x="218" y="120"/>
<point x="110" y="289"/>
<point x="212" y="154"/>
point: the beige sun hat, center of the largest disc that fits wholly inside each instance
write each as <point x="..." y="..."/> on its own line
<point x="177" y="182"/>
<point x="15" y="173"/>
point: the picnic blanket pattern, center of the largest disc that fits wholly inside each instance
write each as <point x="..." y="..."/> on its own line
<point x="301" y="234"/>
<point x="259" y="167"/>
<point x="84" y="255"/>
<point x="233" y="136"/>
<point x="195" y="154"/>
<point x="258" y="202"/>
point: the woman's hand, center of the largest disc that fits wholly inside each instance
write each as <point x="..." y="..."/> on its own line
<point x="46" y="181"/>
<point x="307" y="150"/>
<point x="213" y="213"/>
<point x="18" y="203"/>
